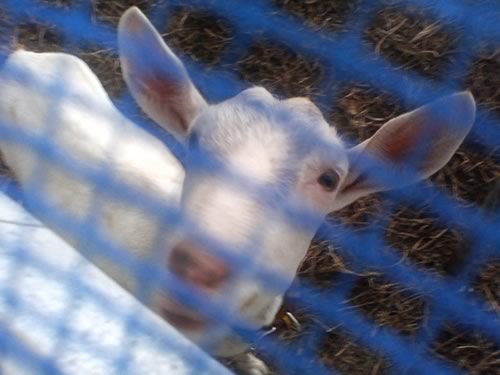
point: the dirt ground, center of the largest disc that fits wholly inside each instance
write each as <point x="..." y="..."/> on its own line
<point x="411" y="39"/>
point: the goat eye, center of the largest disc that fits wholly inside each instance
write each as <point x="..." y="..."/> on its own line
<point x="329" y="180"/>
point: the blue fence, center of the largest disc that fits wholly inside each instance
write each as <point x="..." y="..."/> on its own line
<point x="339" y="52"/>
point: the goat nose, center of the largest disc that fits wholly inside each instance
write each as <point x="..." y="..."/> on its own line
<point x="197" y="266"/>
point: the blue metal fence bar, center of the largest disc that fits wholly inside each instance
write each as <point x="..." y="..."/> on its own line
<point x="467" y="312"/>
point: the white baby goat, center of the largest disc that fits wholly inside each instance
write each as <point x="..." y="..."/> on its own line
<point x="253" y="135"/>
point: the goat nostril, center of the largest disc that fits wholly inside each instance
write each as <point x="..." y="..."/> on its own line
<point x="180" y="261"/>
<point x="214" y="278"/>
<point x="197" y="267"/>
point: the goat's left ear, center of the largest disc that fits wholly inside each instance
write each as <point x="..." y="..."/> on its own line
<point x="155" y="76"/>
<point x="408" y="148"/>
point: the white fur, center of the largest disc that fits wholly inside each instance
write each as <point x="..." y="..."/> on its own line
<point x="258" y="157"/>
<point x="87" y="126"/>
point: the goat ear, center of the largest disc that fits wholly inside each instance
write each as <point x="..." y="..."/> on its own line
<point x="408" y="148"/>
<point x="156" y="77"/>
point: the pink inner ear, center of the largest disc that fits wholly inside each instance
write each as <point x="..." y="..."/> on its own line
<point x="399" y="148"/>
<point x="162" y="97"/>
<point x="163" y="89"/>
<point x="168" y="95"/>
<point x="152" y="85"/>
<point x="413" y="138"/>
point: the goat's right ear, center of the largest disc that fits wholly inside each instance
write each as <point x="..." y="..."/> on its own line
<point x="156" y="77"/>
<point x="408" y="148"/>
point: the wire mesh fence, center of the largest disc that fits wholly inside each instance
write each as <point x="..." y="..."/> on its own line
<point x="208" y="222"/>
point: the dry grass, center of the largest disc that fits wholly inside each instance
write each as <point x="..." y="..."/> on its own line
<point x="403" y="310"/>
<point x="111" y="11"/>
<point x="471" y="351"/>
<point x="320" y="14"/>
<point x="422" y="240"/>
<point x="106" y="65"/>
<point x="471" y="174"/>
<point x="412" y="40"/>
<point x="279" y="69"/>
<point x="199" y="35"/>
<point x="487" y="284"/>
<point x="359" y="110"/>
<point x="485" y="66"/>
<point x="39" y="37"/>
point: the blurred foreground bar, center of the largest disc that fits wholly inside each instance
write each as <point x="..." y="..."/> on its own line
<point x="59" y="314"/>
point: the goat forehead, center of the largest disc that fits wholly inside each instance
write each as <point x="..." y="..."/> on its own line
<point x="260" y="135"/>
<point x="252" y="114"/>
<point x="260" y="156"/>
<point x="249" y="143"/>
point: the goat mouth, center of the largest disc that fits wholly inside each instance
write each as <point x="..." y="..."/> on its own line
<point x="183" y="319"/>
